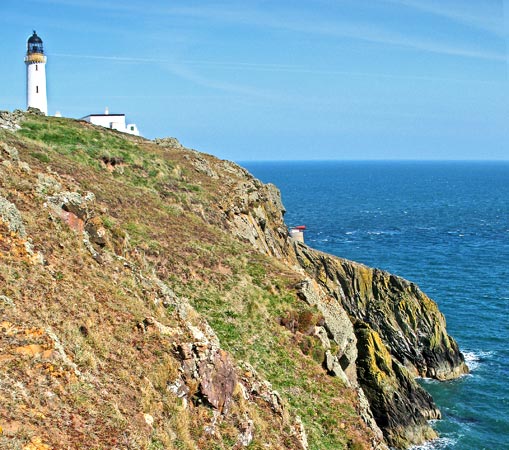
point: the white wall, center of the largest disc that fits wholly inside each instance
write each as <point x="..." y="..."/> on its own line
<point x="36" y="86"/>
<point x="113" y="121"/>
<point x="131" y="128"/>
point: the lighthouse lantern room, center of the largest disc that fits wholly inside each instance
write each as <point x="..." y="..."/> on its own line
<point x="35" y="62"/>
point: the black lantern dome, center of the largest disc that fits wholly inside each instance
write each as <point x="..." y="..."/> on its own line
<point x="34" y="44"/>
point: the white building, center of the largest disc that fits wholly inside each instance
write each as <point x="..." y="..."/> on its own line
<point x="35" y="62"/>
<point x="113" y="121"/>
<point x="297" y="233"/>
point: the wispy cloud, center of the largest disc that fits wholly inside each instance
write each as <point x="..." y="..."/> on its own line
<point x="480" y="15"/>
<point x="188" y="74"/>
<point x="125" y="59"/>
<point x="182" y="68"/>
<point x="297" y="21"/>
<point x="372" y="33"/>
<point x="368" y="32"/>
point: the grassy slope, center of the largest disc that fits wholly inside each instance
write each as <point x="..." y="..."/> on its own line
<point x="160" y="214"/>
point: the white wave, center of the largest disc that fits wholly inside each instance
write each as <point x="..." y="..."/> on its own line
<point x="427" y="380"/>
<point x="383" y="232"/>
<point x="436" y="444"/>
<point x="474" y="359"/>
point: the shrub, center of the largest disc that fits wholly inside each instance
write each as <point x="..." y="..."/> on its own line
<point x="41" y="157"/>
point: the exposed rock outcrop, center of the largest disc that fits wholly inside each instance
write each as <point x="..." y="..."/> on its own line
<point x="253" y="210"/>
<point x="35" y="111"/>
<point x="10" y="215"/>
<point x="400" y="334"/>
<point x="211" y="367"/>
<point x="400" y="406"/>
<point x="158" y="374"/>
<point x="408" y="321"/>
<point x="406" y="325"/>
<point x="11" y="120"/>
<point x="169" y="142"/>
<point x="339" y="330"/>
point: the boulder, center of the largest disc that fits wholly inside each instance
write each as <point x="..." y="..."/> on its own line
<point x="96" y="231"/>
<point x="11" y="120"/>
<point x="10" y="152"/>
<point x="10" y="215"/>
<point x="73" y="202"/>
<point x="170" y="142"/>
<point x="217" y="380"/>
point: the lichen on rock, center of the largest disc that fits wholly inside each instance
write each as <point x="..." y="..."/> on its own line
<point x="408" y="322"/>
<point x="400" y="406"/>
<point x="170" y="142"/>
<point x="400" y="333"/>
<point x="11" y="120"/>
<point x="146" y="368"/>
<point x="12" y="217"/>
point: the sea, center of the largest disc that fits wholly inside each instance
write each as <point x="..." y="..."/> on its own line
<point x="442" y="225"/>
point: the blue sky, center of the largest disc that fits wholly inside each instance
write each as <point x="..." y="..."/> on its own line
<point x="278" y="79"/>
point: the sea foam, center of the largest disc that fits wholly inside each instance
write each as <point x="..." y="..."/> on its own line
<point x="475" y="359"/>
<point x="436" y="444"/>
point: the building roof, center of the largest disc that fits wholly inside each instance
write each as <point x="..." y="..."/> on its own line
<point x="103" y="115"/>
<point x="34" y="39"/>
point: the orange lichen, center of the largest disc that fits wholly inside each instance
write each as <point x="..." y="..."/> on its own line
<point x="12" y="245"/>
<point x="34" y="332"/>
<point x="34" y="350"/>
<point x="36" y="443"/>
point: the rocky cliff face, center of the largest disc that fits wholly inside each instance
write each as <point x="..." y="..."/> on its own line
<point x="405" y="318"/>
<point x="96" y="350"/>
<point x="151" y="298"/>
<point x="387" y="330"/>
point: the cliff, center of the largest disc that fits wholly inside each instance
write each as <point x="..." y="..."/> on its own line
<point x="151" y="298"/>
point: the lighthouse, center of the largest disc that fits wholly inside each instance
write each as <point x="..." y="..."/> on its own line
<point x="35" y="61"/>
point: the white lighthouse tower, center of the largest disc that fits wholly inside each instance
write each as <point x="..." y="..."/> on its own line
<point x="36" y="74"/>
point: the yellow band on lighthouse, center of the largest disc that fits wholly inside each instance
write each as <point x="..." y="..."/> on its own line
<point x="35" y="58"/>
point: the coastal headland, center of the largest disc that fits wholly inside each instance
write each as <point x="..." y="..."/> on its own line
<point x="151" y="298"/>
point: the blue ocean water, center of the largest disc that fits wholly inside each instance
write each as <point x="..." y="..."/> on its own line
<point x="443" y="225"/>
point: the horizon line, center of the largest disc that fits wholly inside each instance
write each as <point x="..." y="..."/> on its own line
<point x="469" y="160"/>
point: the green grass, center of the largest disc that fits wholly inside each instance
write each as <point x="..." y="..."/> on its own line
<point x="92" y="145"/>
<point x="68" y="135"/>
<point x="257" y="272"/>
<point x="242" y="294"/>
<point x="43" y="157"/>
<point x="247" y="326"/>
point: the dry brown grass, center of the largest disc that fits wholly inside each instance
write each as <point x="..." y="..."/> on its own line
<point x="162" y="220"/>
